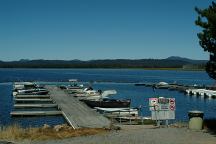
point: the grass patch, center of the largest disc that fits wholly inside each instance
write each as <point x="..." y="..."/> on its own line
<point x="147" y="122"/>
<point x="15" y="132"/>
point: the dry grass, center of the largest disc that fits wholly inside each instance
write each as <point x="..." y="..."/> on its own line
<point x="15" y="132"/>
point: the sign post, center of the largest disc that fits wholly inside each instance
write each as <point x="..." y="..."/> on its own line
<point x="162" y="109"/>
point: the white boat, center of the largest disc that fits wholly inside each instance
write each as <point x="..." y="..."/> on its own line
<point x="201" y="92"/>
<point x="27" y="88"/>
<point x="23" y="85"/>
<point x="132" y="118"/>
<point x="95" y="95"/>
<point x="118" y="111"/>
<point x="162" y="84"/>
<point x="73" y="86"/>
<point x="90" y="94"/>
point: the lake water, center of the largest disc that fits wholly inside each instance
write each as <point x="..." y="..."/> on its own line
<point x="121" y="80"/>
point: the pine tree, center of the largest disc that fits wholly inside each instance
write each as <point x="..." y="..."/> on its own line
<point x="207" y="38"/>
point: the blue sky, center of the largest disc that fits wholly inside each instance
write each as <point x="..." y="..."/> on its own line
<point x="99" y="29"/>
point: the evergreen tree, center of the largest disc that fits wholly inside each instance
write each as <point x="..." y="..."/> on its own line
<point x="207" y="38"/>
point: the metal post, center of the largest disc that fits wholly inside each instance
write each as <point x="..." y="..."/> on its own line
<point x="158" y="123"/>
<point x="155" y="111"/>
<point x="130" y="116"/>
<point x="141" y="114"/>
<point x="120" y="118"/>
<point x="167" y="122"/>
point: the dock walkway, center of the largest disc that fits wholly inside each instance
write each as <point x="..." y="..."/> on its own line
<point x="75" y="112"/>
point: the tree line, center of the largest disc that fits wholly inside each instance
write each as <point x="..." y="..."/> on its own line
<point x="116" y="63"/>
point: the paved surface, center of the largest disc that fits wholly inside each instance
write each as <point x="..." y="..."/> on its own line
<point x="76" y="112"/>
<point x="141" y="135"/>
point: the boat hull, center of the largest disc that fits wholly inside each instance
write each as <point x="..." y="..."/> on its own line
<point x="108" y="104"/>
<point x="34" y="93"/>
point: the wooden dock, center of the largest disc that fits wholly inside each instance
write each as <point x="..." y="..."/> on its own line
<point x="35" y="105"/>
<point x="32" y="99"/>
<point x="27" y="102"/>
<point x="32" y="96"/>
<point x="75" y="112"/>
<point x="35" y="113"/>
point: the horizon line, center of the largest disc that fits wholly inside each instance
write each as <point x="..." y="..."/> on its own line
<point x="27" y="59"/>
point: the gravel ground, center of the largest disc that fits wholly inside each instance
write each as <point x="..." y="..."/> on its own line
<point x="140" y="135"/>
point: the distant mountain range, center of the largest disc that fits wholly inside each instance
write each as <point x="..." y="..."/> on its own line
<point x="170" y="62"/>
<point x="187" y="60"/>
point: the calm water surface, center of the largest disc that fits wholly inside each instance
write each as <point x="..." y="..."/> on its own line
<point x="121" y="80"/>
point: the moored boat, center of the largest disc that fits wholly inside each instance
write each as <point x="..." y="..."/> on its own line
<point x="108" y="103"/>
<point x="32" y="92"/>
<point x="73" y="86"/>
<point x="118" y="111"/>
<point x="28" y="88"/>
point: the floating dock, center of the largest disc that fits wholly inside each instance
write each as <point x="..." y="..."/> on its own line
<point x="32" y="96"/>
<point x="35" y="105"/>
<point x="26" y="102"/>
<point x="75" y="112"/>
<point x="35" y="113"/>
<point x="32" y="100"/>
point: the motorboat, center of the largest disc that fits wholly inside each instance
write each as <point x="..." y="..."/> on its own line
<point x="118" y="111"/>
<point x="95" y="95"/>
<point x="29" y="88"/>
<point x="107" y="103"/>
<point x="73" y="86"/>
<point x="36" y="91"/>
<point x="23" y="85"/>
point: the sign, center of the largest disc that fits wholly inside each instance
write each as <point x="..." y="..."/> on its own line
<point x="153" y="103"/>
<point x="162" y="104"/>
<point x="162" y="108"/>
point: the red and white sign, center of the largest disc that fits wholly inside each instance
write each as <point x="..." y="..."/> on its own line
<point x="153" y="103"/>
<point x="172" y="101"/>
<point x="162" y="108"/>
<point x="162" y="104"/>
<point x="172" y="107"/>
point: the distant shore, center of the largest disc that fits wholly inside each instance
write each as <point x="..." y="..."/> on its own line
<point x="60" y="68"/>
<point x="175" y="69"/>
<point x="171" y="63"/>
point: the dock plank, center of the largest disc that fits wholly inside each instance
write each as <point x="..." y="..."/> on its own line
<point x="77" y="113"/>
